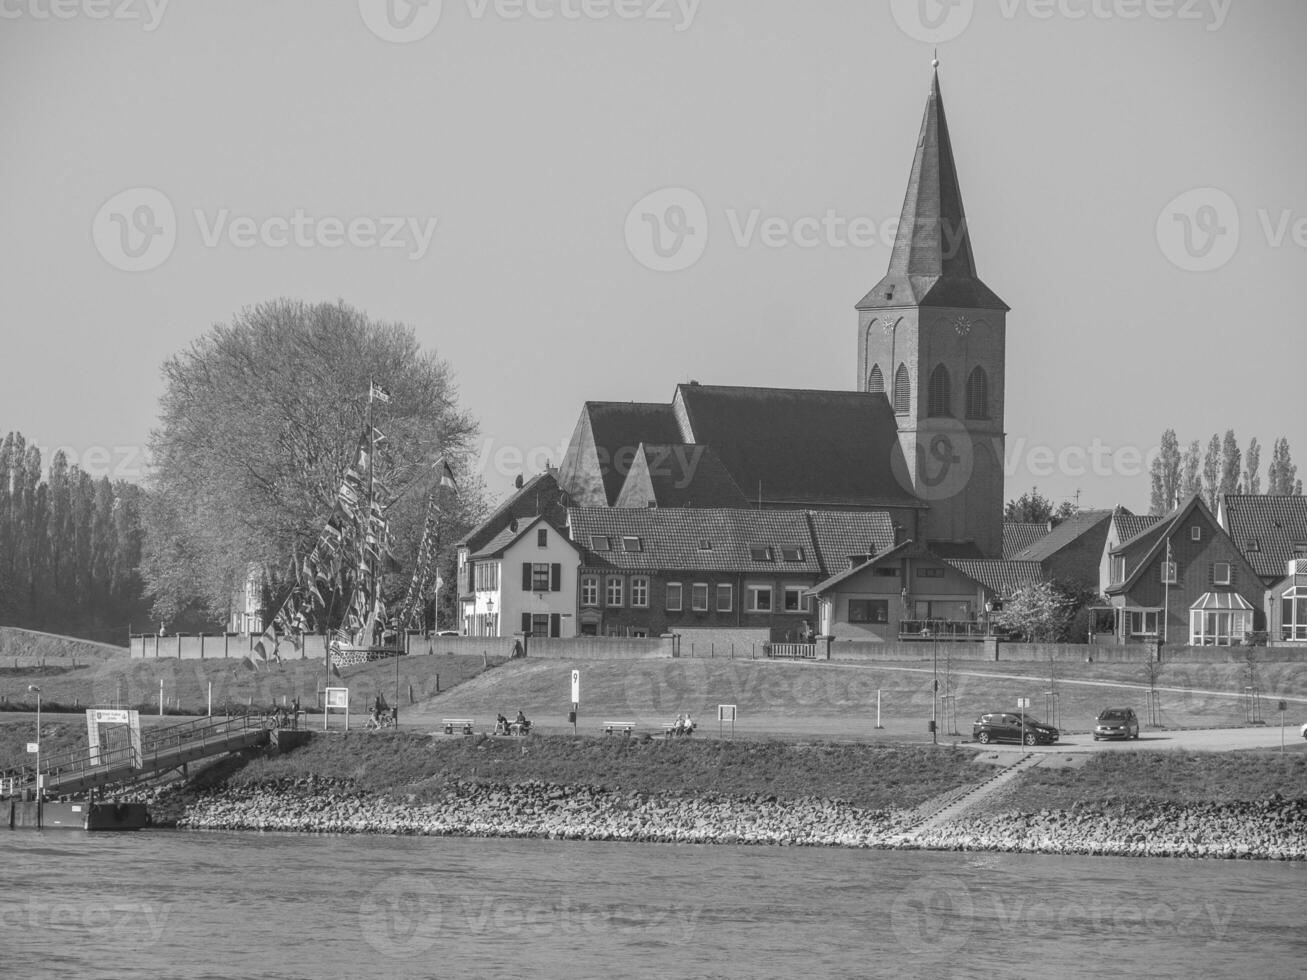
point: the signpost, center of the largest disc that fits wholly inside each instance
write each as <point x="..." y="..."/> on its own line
<point x="335" y="698"/>
<point x="726" y="712"/>
<point x="576" y="697"/>
<point x="1022" y="705"/>
<point x="1284" y="706"/>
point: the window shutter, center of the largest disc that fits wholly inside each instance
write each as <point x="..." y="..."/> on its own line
<point x="526" y="622"/>
<point x="555" y="577"/>
<point x="526" y="577"/>
<point x="555" y="624"/>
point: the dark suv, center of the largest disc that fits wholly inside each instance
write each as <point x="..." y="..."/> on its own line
<point x="1004" y="726"/>
<point x="1116" y="723"/>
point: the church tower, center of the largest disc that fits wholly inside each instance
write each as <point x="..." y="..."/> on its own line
<point x="932" y="337"/>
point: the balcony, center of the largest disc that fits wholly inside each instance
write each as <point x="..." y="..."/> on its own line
<point x="943" y="629"/>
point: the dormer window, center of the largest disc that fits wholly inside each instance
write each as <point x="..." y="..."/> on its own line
<point x="761" y="552"/>
<point x="1252" y="544"/>
<point x="705" y="544"/>
<point x="601" y="542"/>
<point x="632" y="544"/>
<point x="792" y="554"/>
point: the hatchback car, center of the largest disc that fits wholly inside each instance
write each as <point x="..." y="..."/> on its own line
<point x="1116" y="723"/>
<point x="1004" y="726"/>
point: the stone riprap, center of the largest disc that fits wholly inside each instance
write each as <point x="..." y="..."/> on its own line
<point x="1274" y="829"/>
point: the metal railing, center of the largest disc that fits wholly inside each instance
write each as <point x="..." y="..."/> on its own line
<point x="791" y="651"/>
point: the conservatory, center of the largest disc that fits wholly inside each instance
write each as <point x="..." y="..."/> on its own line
<point x="1219" y="619"/>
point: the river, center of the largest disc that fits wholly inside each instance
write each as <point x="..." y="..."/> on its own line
<point x="199" y="905"/>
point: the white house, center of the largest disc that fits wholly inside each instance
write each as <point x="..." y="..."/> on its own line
<point x="523" y="580"/>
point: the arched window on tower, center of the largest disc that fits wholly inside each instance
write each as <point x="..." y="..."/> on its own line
<point x="978" y="394"/>
<point x="938" y="404"/>
<point x="876" y="381"/>
<point x="902" y="390"/>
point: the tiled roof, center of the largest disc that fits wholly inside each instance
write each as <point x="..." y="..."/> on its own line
<point x="680" y="476"/>
<point x="799" y="447"/>
<point x="997" y="575"/>
<point x="620" y="427"/>
<point x="840" y="534"/>
<point x="1132" y="525"/>
<point x="932" y="264"/>
<point x="1019" y="535"/>
<point x="1066" y="534"/>
<point x="670" y="539"/>
<point x="1276" y="523"/>
<point x="510" y="535"/>
<point x="539" y="495"/>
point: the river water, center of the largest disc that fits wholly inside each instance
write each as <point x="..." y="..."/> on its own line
<point x="197" y="905"/>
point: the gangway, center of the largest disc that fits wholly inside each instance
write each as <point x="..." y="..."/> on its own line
<point x="161" y="749"/>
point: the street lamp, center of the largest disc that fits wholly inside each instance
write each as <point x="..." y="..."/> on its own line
<point x="37" y="691"/>
<point x="934" y="696"/>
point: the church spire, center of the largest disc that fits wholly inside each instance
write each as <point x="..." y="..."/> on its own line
<point x="932" y="263"/>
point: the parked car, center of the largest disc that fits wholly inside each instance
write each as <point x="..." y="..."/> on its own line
<point x="1004" y="726"/>
<point x="1116" y="723"/>
<point x="1304" y="731"/>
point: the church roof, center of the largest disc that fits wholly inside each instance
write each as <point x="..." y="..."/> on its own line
<point x="683" y="475"/>
<point x="793" y="447"/>
<point x="932" y="263"/>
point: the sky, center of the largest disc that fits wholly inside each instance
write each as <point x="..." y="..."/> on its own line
<point x="493" y="172"/>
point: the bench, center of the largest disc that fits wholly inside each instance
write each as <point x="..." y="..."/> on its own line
<point x="463" y="726"/>
<point x="625" y="727"/>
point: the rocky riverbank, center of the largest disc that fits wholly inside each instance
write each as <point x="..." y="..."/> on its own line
<point x="1275" y="829"/>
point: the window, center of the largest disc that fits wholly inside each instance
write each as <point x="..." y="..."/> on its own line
<point x="883" y="572"/>
<point x="794" y="600"/>
<point x="761" y="553"/>
<point x="542" y="538"/>
<point x="640" y="593"/>
<point x="540" y="577"/>
<point x="1170" y="573"/>
<point x="978" y="394"/>
<point x="699" y="597"/>
<point x="725" y="598"/>
<point x="590" y="590"/>
<point x="938" y="400"/>
<point x="1222" y="573"/>
<point x="902" y="390"/>
<point x="760" y="598"/>
<point x="876" y="381"/>
<point x="791" y="554"/>
<point x="600" y="542"/>
<point x="631" y="544"/>
<point x="930" y="573"/>
<point x="1143" y="622"/>
<point x="1118" y="568"/>
<point x="486" y="575"/>
<point x="1293" y="614"/>
<point x="1195" y="533"/>
<point x="1253" y="545"/>
<point x="1218" y="629"/>
<point x="673" y="596"/>
<point x="868" y="610"/>
<point x="705" y="544"/>
<point x="613" y="592"/>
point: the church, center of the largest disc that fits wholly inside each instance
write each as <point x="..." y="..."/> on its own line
<point x="726" y="506"/>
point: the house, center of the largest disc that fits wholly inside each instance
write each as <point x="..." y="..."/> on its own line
<point x="1072" y="551"/>
<point x="1123" y="527"/>
<point x="1020" y="535"/>
<point x="522" y="580"/>
<point x="1183" y="580"/>
<point x="1271" y="531"/>
<point x="910" y="592"/>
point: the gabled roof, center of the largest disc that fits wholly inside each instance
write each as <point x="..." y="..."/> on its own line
<point x="793" y="447"/>
<point x="1065" y="534"/>
<point x="513" y="533"/>
<point x="932" y="264"/>
<point x="679" y="476"/>
<point x="1019" y="535"/>
<point x="1151" y="543"/>
<point x="1130" y="525"/>
<point x="605" y="441"/>
<point x="671" y="539"/>
<point x="538" y="495"/>
<point x="998" y="575"/>
<point x="841" y="534"/>
<point x="1275" y="522"/>
<point x="908" y="549"/>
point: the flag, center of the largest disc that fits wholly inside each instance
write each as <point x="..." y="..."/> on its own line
<point x="446" y="474"/>
<point x="378" y="393"/>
